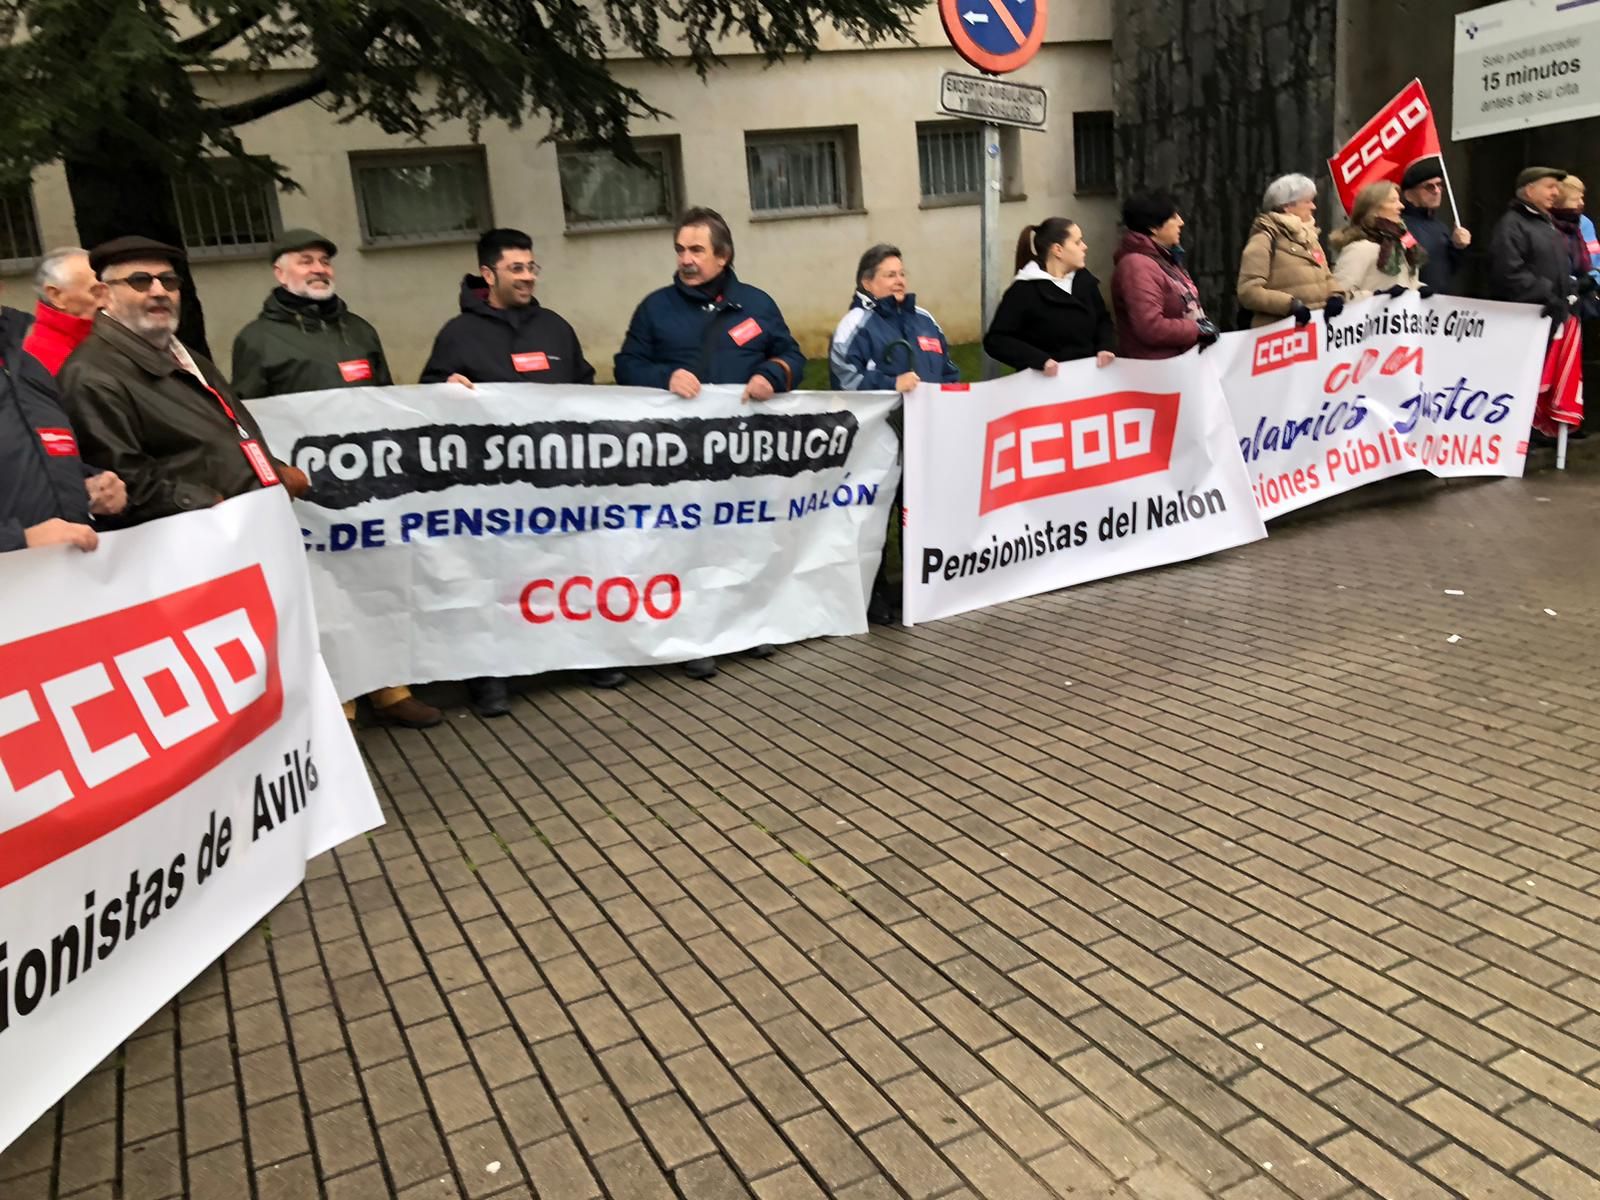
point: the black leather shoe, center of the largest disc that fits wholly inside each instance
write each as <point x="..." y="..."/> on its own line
<point x="700" y="668"/>
<point x="765" y="650"/>
<point x="881" y="610"/>
<point x="607" y="679"/>
<point x="490" y="697"/>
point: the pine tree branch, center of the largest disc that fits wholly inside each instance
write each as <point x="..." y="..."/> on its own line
<point x="265" y="105"/>
<point x="230" y="28"/>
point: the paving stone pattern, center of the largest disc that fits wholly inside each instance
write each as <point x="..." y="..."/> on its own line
<point x="1234" y="879"/>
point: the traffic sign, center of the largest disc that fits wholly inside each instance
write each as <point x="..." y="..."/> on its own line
<point x="995" y="36"/>
<point x="995" y="101"/>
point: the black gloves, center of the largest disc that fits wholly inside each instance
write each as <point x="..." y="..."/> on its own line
<point x="1395" y="292"/>
<point x="1334" y="307"/>
<point x="1553" y="309"/>
<point x="1300" y="313"/>
<point x="1209" y="333"/>
<point x="1425" y="292"/>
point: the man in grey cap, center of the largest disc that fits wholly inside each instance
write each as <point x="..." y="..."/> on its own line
<point x="146" y="407"/>
<point x="1528" y="259"/>
<point x="307" y="340"/>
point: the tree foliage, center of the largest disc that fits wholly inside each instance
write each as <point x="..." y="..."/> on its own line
<point x="85" y="78"/>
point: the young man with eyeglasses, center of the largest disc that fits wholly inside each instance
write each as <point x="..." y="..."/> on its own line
<point x="504" y="335"/>
<point x="1422" y="189"/>
<point x="146" y="407"/>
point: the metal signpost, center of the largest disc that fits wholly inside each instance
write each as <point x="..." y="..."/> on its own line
<point x="995" y="36"/>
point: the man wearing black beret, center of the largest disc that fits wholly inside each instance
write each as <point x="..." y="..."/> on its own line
<point x="143" y="405"/>
<point x="1423" y="187"/>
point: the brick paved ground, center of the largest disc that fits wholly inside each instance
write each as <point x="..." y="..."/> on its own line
<point x="1230" y="880"/>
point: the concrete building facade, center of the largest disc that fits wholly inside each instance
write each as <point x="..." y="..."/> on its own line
<point x="810" y="161"/>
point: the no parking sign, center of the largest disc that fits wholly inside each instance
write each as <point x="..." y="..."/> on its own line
<point x="995" y="36"/>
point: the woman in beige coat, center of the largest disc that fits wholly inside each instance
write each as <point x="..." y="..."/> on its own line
<point x="1376" y="252"/>
<point x="1283" y="271"/>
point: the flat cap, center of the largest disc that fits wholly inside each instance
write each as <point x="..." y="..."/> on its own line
<point x="123" y="249"/>
<point x="1421" y="171"/>
<point x="1534" y="174"/>
<point x="301" y="239"/>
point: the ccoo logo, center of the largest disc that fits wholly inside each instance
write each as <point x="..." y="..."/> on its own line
<point x="103" y="720"/>
<point x="1087" y="443"/>
<point x="1409" y="117"/>
<point x="1284" y="348"/>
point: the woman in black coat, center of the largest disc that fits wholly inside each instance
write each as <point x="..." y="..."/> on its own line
<point x="1053" y="311"/>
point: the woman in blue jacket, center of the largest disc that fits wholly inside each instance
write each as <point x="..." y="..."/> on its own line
<point x="885" y="342"/>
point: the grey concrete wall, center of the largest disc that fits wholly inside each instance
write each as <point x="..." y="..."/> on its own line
<point x="1214" y="98"/>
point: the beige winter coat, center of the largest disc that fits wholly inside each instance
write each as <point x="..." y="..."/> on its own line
<point x="1357" y="268"/>
<point x="1283" y="262"/>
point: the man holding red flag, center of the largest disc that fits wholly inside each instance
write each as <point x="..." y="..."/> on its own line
<point x="1422" y="188"/>
<point x="1402" y="133"/>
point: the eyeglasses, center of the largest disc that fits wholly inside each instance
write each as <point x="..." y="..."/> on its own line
<point x="530" y="269"/>
<point x="1432" y="186"/>
<point x="140" y="281"/>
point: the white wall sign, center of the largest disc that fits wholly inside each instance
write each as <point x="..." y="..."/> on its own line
<point x="1525" y="63"/>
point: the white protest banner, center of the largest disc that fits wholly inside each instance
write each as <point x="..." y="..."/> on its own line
<point x="1029" y="483"/>
<point x="519" y="528"/>
<point x="171" y="754"/>
<point x="1446" y="384"/>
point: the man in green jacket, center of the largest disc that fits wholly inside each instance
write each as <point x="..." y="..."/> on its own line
<point x="307" y="340"/>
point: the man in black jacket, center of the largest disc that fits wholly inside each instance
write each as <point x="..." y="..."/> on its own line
<point x="1528" y="259"/>
<point x="504" y="335"/>
<point x="47" y="496"/>
<point x="1422" y="189"/>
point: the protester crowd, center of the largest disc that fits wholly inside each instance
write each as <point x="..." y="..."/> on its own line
<point x="107" y="420"/>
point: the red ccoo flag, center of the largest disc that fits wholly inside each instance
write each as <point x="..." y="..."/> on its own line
<point x="1402" y="132"/>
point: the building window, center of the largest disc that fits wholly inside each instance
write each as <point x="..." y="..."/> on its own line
<point x="1093" y="156"/>
<point x="225" y="208"/>
<point x="950" y="161"/>
<point x="600" y="191"/>
<point x="801" y="171"/>
<point x="19" y="225"/>
<point x="421" y="195"/>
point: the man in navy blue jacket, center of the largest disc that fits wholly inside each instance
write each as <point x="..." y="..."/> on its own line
<point x="708" y="327"/>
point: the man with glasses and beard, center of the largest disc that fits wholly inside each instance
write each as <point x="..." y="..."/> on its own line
<point x="504" y="335"/>
<point x="307" y="340"/>
<point x="146" y="407"/>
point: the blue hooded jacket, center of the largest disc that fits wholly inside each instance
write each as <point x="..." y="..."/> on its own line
<point x="861" y="360"/>
<point x="727" y="332"/>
